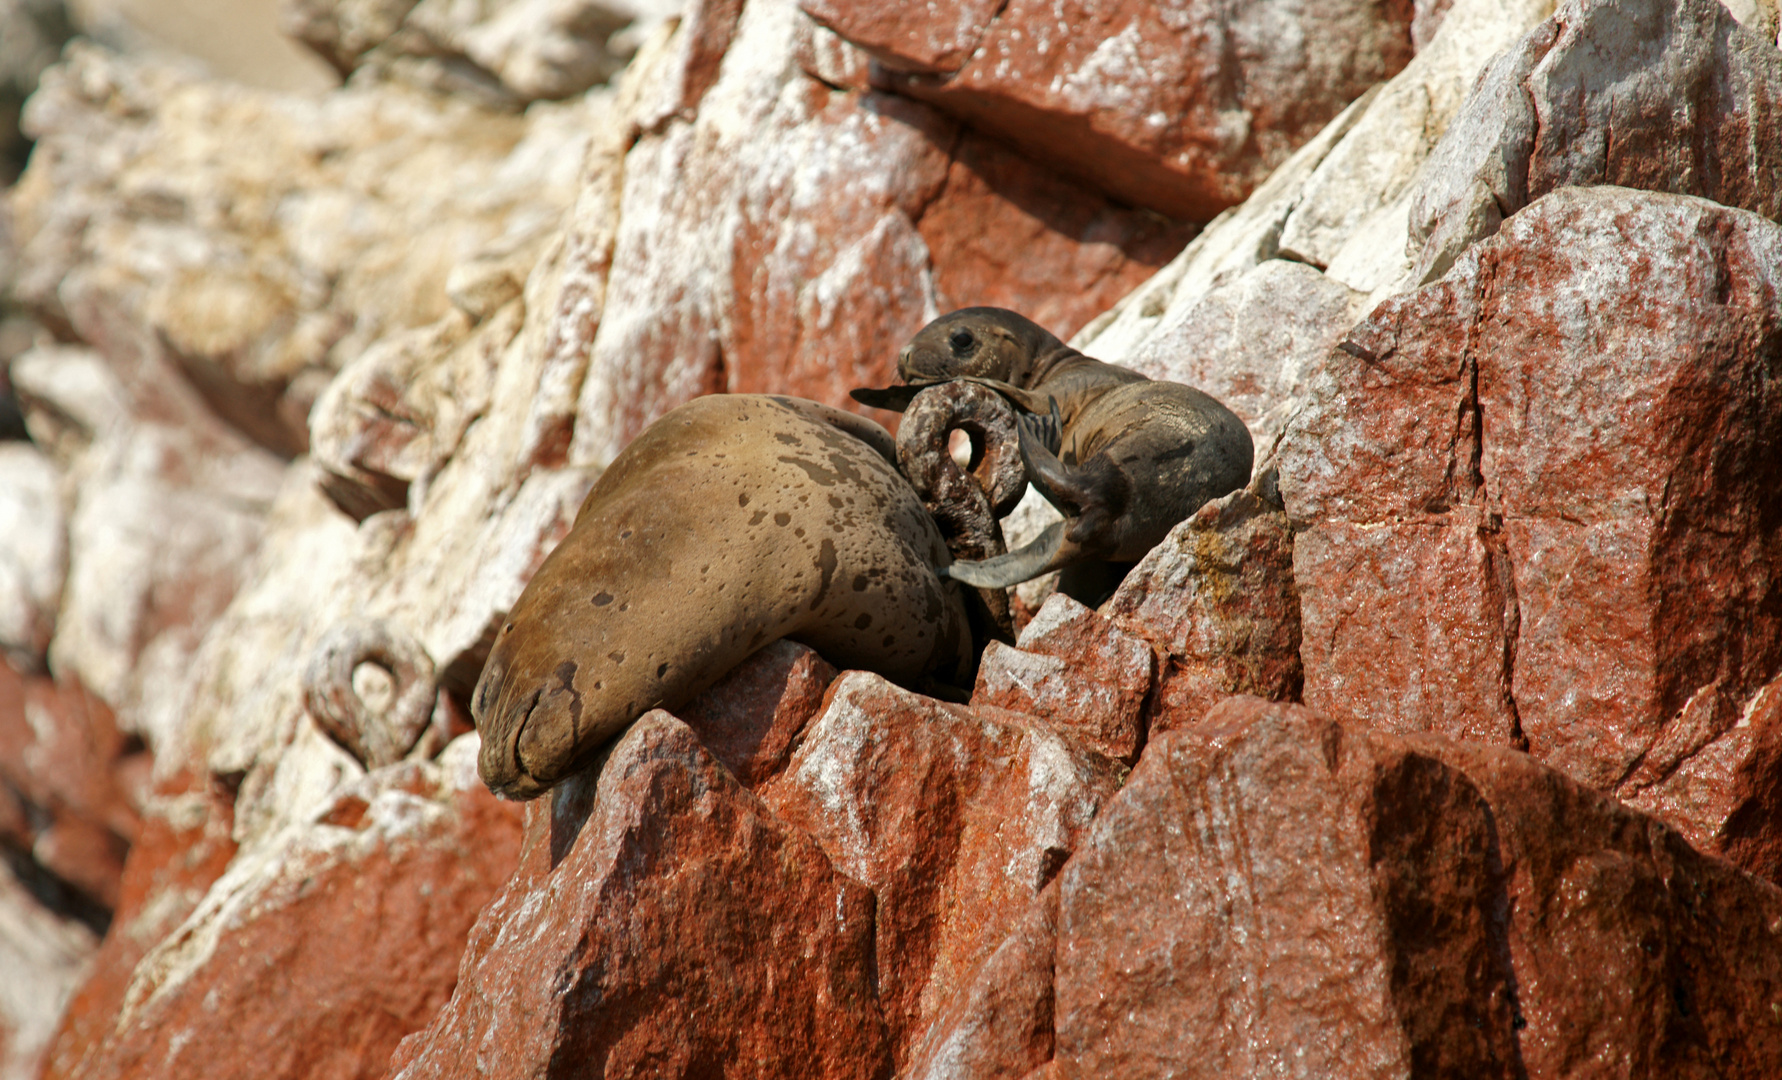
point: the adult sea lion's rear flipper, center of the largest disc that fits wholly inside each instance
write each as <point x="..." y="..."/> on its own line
<point x="1022" y="564"/>
<point x="893" y="398"/>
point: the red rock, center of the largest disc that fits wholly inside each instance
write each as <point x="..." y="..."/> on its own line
<point x="73" y="780"/>
<point x="1076" y="673"/>
<point x="797" y="250"/>
<point x="1662" y="95"/>
<point x="1271" y="893"/>
<point x="1217" y="601"/>
<point x="954" y="817"/>
<point x="1174" y="107"/>
<point x="1006" y="230"/>
<point x="1631" y="950"/>
<point x="1539" y="502"/>
<point x="183" y="846"/>
<point x="1001" y="1025"/>
<point x="910" y="39"/>
<point x="662" y="924"/>
<point x="329" y="946"/>
<point x="1381" y="601"/>
<point x="749" y="719"/>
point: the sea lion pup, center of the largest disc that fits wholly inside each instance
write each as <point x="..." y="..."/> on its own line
<point x="732" y="522"/>
<point x="1122" y="457"/>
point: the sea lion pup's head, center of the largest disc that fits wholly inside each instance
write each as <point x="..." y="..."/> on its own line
<point x="980" y="342"/>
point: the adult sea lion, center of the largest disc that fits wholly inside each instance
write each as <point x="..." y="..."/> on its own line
<point x="1123" y="457"/>
<point x="732" y="522"/>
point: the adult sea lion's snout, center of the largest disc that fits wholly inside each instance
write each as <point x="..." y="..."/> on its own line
<point x="528" y="729"/>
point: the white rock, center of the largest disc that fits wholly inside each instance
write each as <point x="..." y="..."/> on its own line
<point x="33" y="552"/>
<point x="45" y="958"/>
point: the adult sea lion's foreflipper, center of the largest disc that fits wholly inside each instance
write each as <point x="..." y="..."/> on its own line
<point x="891" y="398"/>
<point x="1004" y="571"/>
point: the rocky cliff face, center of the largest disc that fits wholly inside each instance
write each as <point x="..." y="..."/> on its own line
<point x="1451" y="746"/>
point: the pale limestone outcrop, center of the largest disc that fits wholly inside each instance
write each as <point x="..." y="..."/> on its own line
<point x="505" y="52"/>
<point x="249" y="243"/>
<point x="33" y="552"/>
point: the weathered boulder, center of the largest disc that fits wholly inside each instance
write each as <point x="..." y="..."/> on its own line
<point x="32" y="33"/>
<point x="164" y="512"/>
<point x="752" y="718"/>
<point x="33" y="553"/>
<point x="1251" y="308"/>
<point x="1661" y="95"/>
<point x="506" y="52"/>
<point x="182" y="848"/>
<point x="662" y="923"/>
<point x="1075" y="672"/>
<point x="1218" y="603"/>
<point x="1538" y="502"/>
<point x="1175" y="107"/>
<point x="774" y="234"/>
<point x="1255" y="342"/>
<point x="328" y="944"/>
<point x="955" y="818"/>
<point x="230" y="248"/>
<point x="45" y="954"/>
<point x="1272" y="892"/>
<point x="70" y="789"/>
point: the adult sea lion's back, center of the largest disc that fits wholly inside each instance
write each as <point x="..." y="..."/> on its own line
<point x="732" y="522"/>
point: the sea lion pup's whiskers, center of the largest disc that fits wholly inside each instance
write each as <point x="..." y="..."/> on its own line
<point x="732" y="522"/>
<point x="1135" y="456"/>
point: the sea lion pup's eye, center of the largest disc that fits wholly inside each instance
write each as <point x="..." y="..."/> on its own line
<point x="961" y="340"/>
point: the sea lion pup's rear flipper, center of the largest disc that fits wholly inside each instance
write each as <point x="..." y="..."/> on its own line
<point x="891" y="398"/>
<point x="1004" y="571"/>
<point x="1094" y="493"/>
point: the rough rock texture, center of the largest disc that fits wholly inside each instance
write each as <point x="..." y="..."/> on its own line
<point x="1076" y="672"/>
<point x="182" y="848"/>
<point x="329" y="945"/>
<point x="33" y="553"/>
<point x="1273" y="893"/>
<point x="165" y="502"/>
<point x="32" y="32"/>
<point x="1250" y="309"/>
<point x="751" y="718"/>
<point x="1217" y="601"/>
<point x="245" y="244"/>
<point x="1691" y="103"/>
<point x="954" y="818"/>
<point x="662" y="923"/>
<point x="70" y="788"/>
<point x="45" y="956"/>
<point x="789" y="237"/>
<point x="1175" y="107"/>
<point x="1540" y="507"/>
<point x="507" y="52"/>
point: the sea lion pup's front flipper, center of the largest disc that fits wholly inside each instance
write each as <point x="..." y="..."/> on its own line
<point x="1005" y="571"/>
